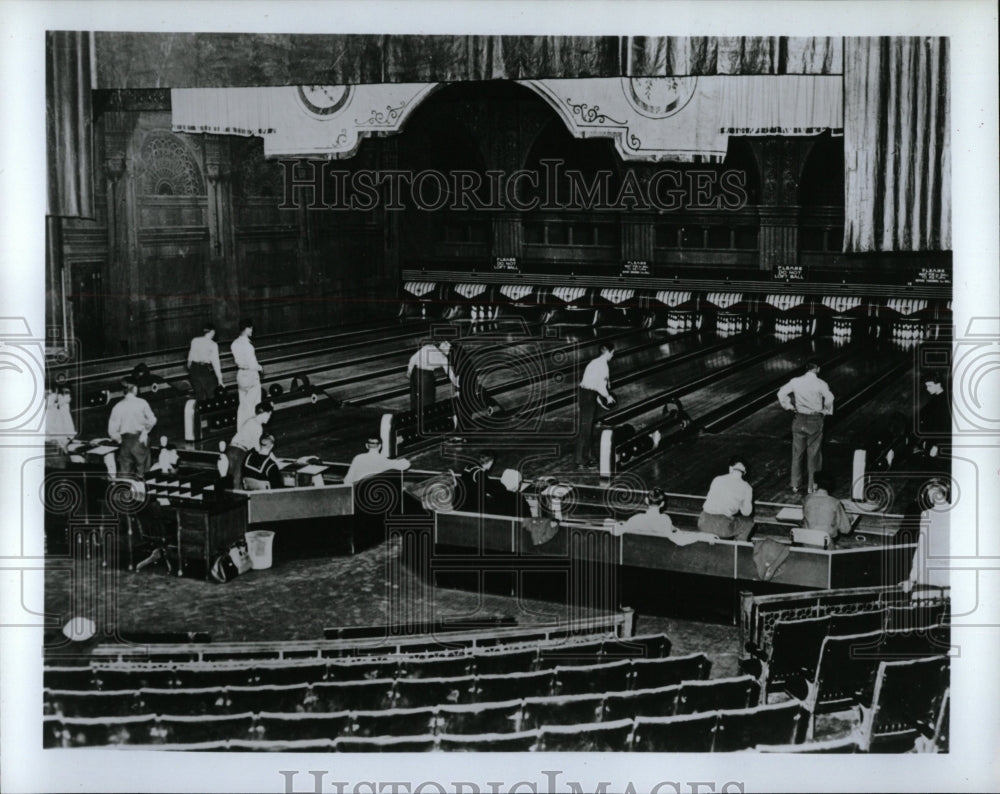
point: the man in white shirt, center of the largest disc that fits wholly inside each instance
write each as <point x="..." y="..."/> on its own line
<point x="247" y="437"/>
<point x="248" y="374"/>
<point x="373" y="462"/>
<point x="728" y="508"/>
<point x="594" y="385"/>
<point x="420" y="371"/>
<point x="810" y="399"/>
<point x="129" y="424"/>
<point x="203" y="364"/>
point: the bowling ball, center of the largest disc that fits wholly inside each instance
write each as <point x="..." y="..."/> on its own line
<point x="140" y="372"/>
<point x="300" y="383"/>
<point x="275" y="390"/>
<point x="605" y="403"/>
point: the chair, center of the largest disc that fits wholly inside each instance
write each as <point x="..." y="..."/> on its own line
<point x="610" y="677"/>
<point x="912" y="617"/>
<point x="648" y="646"/>
<point x="845" y="667"/>
<point x="205" y="675"/>
<point x="393" y="722"/>
<point x="580" y="653"/>
<point x="68" y="678"/>
<point x="661" y="702"/>
<point x="656" y="673"/>
<point x="794" y="652"/>
<point x="288" y="674"/>
<point x="562" y="710"/>
<point x="491" y="688"/>
<point x="442" y="667"/>
<point x="520" y="742"/>
<point x="365" y="670"/>
<point x="480" y="718"/>
<point x="416" y="692"/>
<point x="906" y="703"/>
<point x="182" y="702"/>
<point x="384" y="744"/>
<point x="506" y="662"/>
<point x="295" y="727"/>
<point x="693" y="733"/>
<point x="134" y="678"/>
<point x="286" y="699"/>
<point x="349" y="695"/>
<point x="203" y="728"/>
<point x="265" y="746"/>
<point x="779" y="723"/>
<point x="857" y="622"/>
<point x="721" y="693"/>
<point x="97" y="732"/>
<point x="594" y="738"/>
<point x="93" y="704"/>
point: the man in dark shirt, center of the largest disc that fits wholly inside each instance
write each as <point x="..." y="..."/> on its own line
<point x="480" y="493"/>
<point x="934" y="425"/>
<point x="824" y="512"/>
<point x="260" y="469"/>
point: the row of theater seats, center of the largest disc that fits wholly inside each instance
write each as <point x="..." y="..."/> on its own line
<point x="328" y="696"/>
<point x="500" y="660"/>
<point x="890" y="664"/>
<point x="581" y="723"/>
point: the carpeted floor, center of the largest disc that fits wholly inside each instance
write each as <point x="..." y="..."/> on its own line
<point x="297" y="599"/>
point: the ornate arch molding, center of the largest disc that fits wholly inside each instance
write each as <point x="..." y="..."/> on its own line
<point x="167" y="166"/>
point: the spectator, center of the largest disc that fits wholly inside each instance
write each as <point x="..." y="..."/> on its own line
<point x="654" y="519"/>
<point x="372" y="461"/>
<point x="729" y="505"/>
<point x="824" y="512"/>
<point x="203" y="364"/>
<point x="260" y="469"/>
<point x="249" y="373"/>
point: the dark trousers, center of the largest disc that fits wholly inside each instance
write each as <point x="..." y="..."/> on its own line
<point x="133" y="456"/>
<point x="236" y="456"/>
<point x="422" y="389"/>
<point x="588" y="413"/>
<point x="203" y="380"/>
<point x="807" y="441"/>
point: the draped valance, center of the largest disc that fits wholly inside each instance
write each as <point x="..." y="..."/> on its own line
<point x="191" y="60"/>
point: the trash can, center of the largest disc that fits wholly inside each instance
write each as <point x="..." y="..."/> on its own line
<point x="259" y="542"/>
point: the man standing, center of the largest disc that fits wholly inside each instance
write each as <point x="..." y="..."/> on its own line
<point x="934" y="425"/>
<point x="129" y="424"/>
<point x="248" y="375"/>
<point x="203" y="363"/>
<point x="420" y="371"/>
<point x="594" y="385"/>
<point x="247" y="438"/>
<point x="728" y="508"/>
<point x="810" y="399"/>
<point x="371" y="462"/>
<point x="824" y="512"/>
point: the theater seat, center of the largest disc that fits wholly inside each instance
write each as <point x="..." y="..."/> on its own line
<point x="506" y="662"/>
<point x="684" y="734"/>
<point x="660" y="702"/>
<point x="184" y="702"/>
<point x="393" y="722"/>
<point x="94" y="704"/>
<point x="780" y="723"/>
<point x="295" y="727"/>
<point x="480" y="718"/>
<point x="517" y="685"/>
<point x="610" y="677"/>
<point x="418" y="692"/>
<point x="593" y="738"/>
<point x="906" y="703"/>
<point x="204" y="728"/>
<point x="845" y="745"/>
<point x="655" y="673"/>
<point x="562" y="710"/>
<point x="68" y="678"/>
<point x="289" y="699"/>
<point x="720" y="693"/>
<point x="97" y="732"/>
<point x="349" y="696"/>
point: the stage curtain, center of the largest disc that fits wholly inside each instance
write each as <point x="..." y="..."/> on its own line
<point x="786" y="105"/>
<point x="207" y="60"/>
<point x="664" y="56"/>
<point x="68" y="116"/>
<point x="897" y="144"/>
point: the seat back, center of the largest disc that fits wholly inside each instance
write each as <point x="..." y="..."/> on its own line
<point x="417" y="692"/>
<point x="596" y="737"/>
<point x="779" y="723"/>
<point x="301" y="727"/>
<point x="688" y="733"/>
<point x="721" y="693"/>
<point x="906" y="702"/>
<point x="795" y="648"/>
<point x="520" y="742"/>
<point x="480" y="718"/>
<point x="562" y="710"/>
<point x="659" y="702"/>
<point x="655" y="673"/>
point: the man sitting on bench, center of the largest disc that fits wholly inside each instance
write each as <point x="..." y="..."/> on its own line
<point x="260" y="469"/>
<point x="824" y="513"/>
<point x="367" y="464"/>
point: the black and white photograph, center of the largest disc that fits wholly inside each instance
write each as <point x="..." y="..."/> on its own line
<point x="460" y="382"/>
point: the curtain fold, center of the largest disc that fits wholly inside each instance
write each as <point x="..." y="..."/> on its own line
<point x="787" y="105"/>
<point x="897" y="144"/>
<point x="705" y="55"/>
<point x="69" y="142"/>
